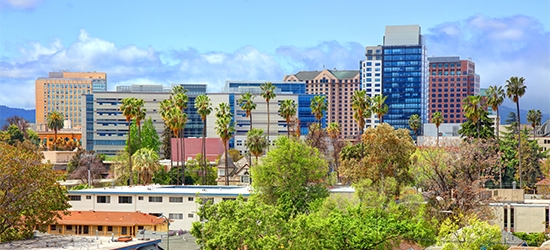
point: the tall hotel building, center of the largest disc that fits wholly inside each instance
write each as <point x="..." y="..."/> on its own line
<point x="338" y="86"/>
<point x="398" y="69"/>
<point x="451" y="81"/>
<point x="62" y="91"/>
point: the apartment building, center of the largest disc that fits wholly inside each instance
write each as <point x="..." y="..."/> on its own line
<point x="62" y="91"/>
<point x="451" y="81"/>
<point x="338" y="86"/>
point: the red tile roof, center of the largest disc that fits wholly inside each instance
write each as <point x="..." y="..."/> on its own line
<point x="544" y="182"/>
<point x="193" y="146"/>
<point x="108" y="218"/>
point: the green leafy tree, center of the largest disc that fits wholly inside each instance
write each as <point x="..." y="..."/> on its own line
<point x="225" y="129"/>
<point x="318" y="107"/>
<point x="234" y="154"/>
<point x="437" y="119"/>
<point x="515" y="89"/>
<point x="415" y="123"/>
<point x="149" y="137"/>
<point x="256" y="142"/>
<point x="361" y="105"/>
<point x="268" y="93"/>
<point x="129" y="110"/>
<point x="288" y="110"/>
<point x="495" y="98"/>
<point x="18" y="121"/>
<point x="476" y="234"/>
<point x="55" y="121"/>
<point x="14" y="134"/>
<point x="290" y="176"/>
<point x="387" y="154"/>
<point x="176" y="119"/>
<point x="247" y="104"/>
<point x="204" y="108"/>
<point x="378" y="106"/>
<point x="24" y="207"/>
<point x="534" y="117"/>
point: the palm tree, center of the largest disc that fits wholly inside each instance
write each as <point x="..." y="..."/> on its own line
<point x="415" y="123"/>
<point x="140" y="116"/>
<point x="515" y="89"/>
<point x="203" y="106"/>
<point x="146" y="163"/>
<point x="268" y="93"/>
<point x="225" y="129"/>
<point x="534" y="117"/>
<point x="361" y="105"/>
<point x="176" y="119"/>
<point x="333" y="130"/>
<point x="247" y="104"/>
<point x="180" y="99"/>
<point x="165" y="106"/>
<point x="256" y="142"/>
<point x="318" y="106"/>
<point x="378" y="106"/>
<point x="288" y="110"/>
<point x="437" y="119"/>
<point x="55" y="121"/>
<point x="473" y="110"/>
<point x="495" y="98"/>
<point x="129" y="110"/>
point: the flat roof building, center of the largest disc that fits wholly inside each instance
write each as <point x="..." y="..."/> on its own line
<point x="62" y="91"/>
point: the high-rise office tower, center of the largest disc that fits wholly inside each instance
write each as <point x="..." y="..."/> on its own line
<point x="404" y="74"/>
<point x="338" y="86"/>
<point x="62" y="91"/>
<point x="451" y="81"/>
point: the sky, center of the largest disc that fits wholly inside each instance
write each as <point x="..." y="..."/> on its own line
<point x="211" y="41"/>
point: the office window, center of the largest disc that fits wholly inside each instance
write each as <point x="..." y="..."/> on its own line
<point x="175" y="199"/>
<point x="140" y="198"/>
<point x="125" y="199"/>
<point x="190" y="215"/>
<point x="155" y="198"/>
<point x="175" y="216"/>
<point x="75" y="197"/>
<point x="100" y="228"/>
<point x="103" y="199"/>
<point x="190" y="199"/>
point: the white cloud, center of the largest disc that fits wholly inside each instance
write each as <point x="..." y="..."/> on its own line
<point x="20" y="4"/>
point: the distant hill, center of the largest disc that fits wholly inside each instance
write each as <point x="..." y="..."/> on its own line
<point x="6" y="112"/>
<point x="504" y="111"/>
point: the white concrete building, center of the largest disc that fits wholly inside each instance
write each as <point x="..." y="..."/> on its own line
<point x="175" y="202"/>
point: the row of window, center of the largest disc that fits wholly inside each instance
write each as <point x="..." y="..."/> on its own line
<point x="446" y="65"/>
<point x="447" y="73"/>
<point x="450" y="79"/>
<point x="128" y="199"/>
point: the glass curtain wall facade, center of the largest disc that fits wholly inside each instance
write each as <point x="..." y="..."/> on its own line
<point x="404" y="80"/>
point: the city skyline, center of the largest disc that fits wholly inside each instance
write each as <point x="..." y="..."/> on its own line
<point x="172" y="42"/>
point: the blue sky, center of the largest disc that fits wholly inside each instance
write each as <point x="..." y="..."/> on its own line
<point x="208" y="41"/>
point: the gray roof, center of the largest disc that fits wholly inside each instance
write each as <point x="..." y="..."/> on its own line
<point x="339" y="74"/>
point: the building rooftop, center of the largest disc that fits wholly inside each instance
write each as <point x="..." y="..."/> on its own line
<point x="101" y="218"/>
<point x="162" y="190"/>
<point x="339" y="74"/>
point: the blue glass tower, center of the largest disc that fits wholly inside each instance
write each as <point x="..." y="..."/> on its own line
<point x="404" y="71"/>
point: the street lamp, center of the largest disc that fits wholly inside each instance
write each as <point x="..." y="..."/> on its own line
<point x="167" y="231"/>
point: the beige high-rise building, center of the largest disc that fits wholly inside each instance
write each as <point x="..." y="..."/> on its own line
<point x="338" y="86"/>
<point x="62" y="91"/>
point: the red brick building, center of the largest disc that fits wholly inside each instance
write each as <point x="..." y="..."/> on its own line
<point x="451" y="81"/>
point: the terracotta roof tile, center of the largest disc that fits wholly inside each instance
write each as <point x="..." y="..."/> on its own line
<point x="108" y="218"/>
<point x="544" y="181"/>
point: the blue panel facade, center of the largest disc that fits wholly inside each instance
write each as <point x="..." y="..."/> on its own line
<point x="403" y="83"/>
<point x="305" y="115"/>
<point x="89" y="120"/>
<point x="232" y="106"/>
